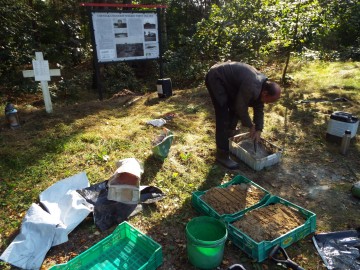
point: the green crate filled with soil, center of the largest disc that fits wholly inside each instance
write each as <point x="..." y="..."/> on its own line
<point x="277" y="222"/>
<point x="230" y="199"/>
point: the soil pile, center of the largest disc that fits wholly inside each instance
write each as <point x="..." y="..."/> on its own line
<point x="269" y="222"/>
<point x="233" y="198"/>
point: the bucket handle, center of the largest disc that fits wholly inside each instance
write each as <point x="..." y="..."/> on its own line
<point x="222" y="240"/>
<point x="207" y="246"/>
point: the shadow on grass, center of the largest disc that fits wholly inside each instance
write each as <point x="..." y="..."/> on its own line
<point x="151" y="167"/>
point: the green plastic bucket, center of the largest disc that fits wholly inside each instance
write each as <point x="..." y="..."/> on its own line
<point x="206" y="237"/>
<point x="161" y="150"/>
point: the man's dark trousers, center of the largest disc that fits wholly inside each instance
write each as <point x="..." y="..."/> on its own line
<point x="226" y="120"/>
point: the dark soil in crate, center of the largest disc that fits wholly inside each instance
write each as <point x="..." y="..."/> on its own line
<point x="233" y="198"/>
<point x="269" y="222"/>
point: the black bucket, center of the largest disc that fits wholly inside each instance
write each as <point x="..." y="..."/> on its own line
<point x="164" y="87"/>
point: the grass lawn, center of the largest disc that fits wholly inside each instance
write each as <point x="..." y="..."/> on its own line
<point x="92" y="135"/>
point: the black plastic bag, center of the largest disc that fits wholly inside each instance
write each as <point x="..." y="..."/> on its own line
<point x="339" y="250"/>
<point x="107" y="212"/>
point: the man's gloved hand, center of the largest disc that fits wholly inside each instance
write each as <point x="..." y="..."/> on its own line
<point x="255" y="134"/>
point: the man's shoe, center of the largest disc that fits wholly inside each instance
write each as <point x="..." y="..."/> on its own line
<point x="224" y="159"/>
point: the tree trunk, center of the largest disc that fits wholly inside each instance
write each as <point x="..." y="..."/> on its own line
<point x="293" y="43"/>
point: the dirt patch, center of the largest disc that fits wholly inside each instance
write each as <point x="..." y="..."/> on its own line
<point x="269" y="222"/>
<point x="233" y="198"/>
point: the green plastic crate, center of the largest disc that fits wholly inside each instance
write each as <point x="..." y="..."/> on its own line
<point x="126" y="248"/>
<point x="260" y="250"/>
<point x="204" y="208"/>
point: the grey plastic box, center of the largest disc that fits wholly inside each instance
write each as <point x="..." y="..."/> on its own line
<point x="248" y="158"/>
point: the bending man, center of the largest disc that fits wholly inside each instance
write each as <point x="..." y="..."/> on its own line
<point x="234" y="87"/>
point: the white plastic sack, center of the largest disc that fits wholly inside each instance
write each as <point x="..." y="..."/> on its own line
<point x="66" y="205"/>
<point x="40" y="230"/>
<point x="157" y="122"/>
<point x="30" y="246"/>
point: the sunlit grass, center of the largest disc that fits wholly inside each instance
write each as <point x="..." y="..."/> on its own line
<point x="324" y="76"/>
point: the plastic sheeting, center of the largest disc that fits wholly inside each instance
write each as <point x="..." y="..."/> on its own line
<point x="63" y="206"/>
<point x="339" y="250"/>
<point x="157" y="122"/>
<point x="108" y="213"/>
<point x="42" y="228"/>
<point x="30" y="246"/>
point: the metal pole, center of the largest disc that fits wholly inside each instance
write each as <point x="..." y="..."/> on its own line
<point x="160" y="43"/>
<point x="95" y="60"/>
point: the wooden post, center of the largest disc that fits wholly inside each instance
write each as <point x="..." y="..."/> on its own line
<point x="42" y="73"/>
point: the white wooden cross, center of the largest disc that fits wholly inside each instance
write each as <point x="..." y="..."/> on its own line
<point x="42" y="73"/>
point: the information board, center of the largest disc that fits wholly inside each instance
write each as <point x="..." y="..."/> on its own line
<point x="125" y="36"/>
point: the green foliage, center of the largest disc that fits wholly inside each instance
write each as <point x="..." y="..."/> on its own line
<point x="236" y="31"/>
<point x="15" y="38"/>
<point x="341" y="28"/>
<point x="120" y="76"/>
<point x="58" y="31"/>
<point x="196" y="34"/>
<point x="255" y="32"/>
<point x="181" y="18"/>
<point x="71" y="87"/>
<point x="248" y="30"/>
<point x="182" y="69"/>
<point x="52" y="28"/>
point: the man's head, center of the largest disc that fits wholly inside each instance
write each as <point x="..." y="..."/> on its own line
<point x="270" y="92"/>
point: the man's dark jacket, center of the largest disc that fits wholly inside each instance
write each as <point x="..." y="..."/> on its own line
<point x="237" y="86"/>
